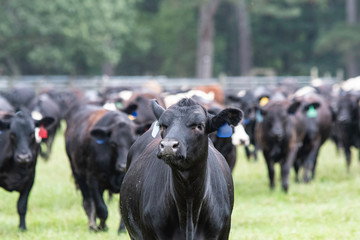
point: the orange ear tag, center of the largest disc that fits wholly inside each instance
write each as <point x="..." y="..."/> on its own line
<point x="43" y="132"/>
<point x="264" y="101"/>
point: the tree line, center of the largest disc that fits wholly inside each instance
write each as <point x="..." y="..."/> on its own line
<point x="179" y="38"/>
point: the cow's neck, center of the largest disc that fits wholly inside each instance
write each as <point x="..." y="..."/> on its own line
<point x="189" y="188"/>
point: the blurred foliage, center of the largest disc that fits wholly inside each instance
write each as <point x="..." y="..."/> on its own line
<point x="64" y="36"/>
<point x="159" y="37"/>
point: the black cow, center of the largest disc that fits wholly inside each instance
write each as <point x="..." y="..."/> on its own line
<point x="177" y="185"/>
<point x="19" y="96"/>
<point x="97" y="143"/>
<point x="318" y="118"/>
<point x="18" y="156"/>
<point x="43" y="105"/>
<point x="347" y="120"/>
<point x="279" y="134"/>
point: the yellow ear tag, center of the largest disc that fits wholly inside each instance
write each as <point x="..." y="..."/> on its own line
<point x="131" y="117"/>
<point x="263" y="101"/>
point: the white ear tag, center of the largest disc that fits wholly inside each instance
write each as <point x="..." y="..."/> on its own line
<point x="155" y="129"/>
<point x="37" y="137"/>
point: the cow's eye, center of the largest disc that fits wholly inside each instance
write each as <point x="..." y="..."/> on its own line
<point x="197" y="126"/>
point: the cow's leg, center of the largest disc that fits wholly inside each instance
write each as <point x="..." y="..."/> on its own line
<point x="297" y="165"/>
<point x="270" y="166"/>
<point x="121" y="226"/>
<point x="310" y="161"/>
<point x="22" y="204"/>
<point x="247" y="152"/>
<point x="285" y="168"/>
<point x="100" y="206"/>
<point x="88" y="202"/>
<point x="347" y="157"/>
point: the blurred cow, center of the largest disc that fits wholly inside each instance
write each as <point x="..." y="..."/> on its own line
<point x="18" y="155"/>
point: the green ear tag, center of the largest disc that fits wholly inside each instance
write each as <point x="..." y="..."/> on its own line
<point x="311" y="112"/>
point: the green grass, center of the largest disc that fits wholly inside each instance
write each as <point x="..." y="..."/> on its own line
<point x="327" y="208"/>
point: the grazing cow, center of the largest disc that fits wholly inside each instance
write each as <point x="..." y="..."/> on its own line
<point x="177" y="185"/>
<point x="18" y="155"/>
<point x="97" y="143"/>
<point x="347" y="120"/>
<point x="318" y="118"/>
<point x="45" y="106"/>
<point x="279" y="135"/>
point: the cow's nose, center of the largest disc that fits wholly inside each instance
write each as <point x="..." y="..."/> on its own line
<point x="23" y="158"/>
<point x="169" y="145"/>
<point x="121" y="167"/>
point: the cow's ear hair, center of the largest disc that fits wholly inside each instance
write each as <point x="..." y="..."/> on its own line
<point x="130" y="109"/>
<point x="5" y="121"/>
<point x="157" y="109"/>
<point x="100" y="133"/>
<point x="231" y="116"/>
<point x="46" y="122"/>
<point x="293" y="107"/>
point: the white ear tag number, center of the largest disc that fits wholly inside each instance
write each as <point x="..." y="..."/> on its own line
<point x="155" y="129"/>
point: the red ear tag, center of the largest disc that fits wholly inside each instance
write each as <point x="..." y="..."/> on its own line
<point x="43" y="132"/>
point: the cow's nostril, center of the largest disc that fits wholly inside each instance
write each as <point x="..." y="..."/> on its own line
<point x="175" y="145"/>
<point x="161" y="145"/>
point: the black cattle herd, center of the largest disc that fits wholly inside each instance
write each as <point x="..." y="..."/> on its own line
<point x="170" y="154"/>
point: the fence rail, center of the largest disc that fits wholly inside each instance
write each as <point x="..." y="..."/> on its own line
<point x="98" y="82"/>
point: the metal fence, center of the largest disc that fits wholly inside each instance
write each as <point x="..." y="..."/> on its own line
<point x="101" y="82"/>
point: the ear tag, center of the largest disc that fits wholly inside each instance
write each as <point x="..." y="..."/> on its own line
<point x="37" y="137"/>
<point x="225" y="131"/>
<point x="134" y="113"/>
<point x="119" y="105"/>
<point x="311" y="112"/>
<point x="100" y="141"/>
<point x="263" y="101"/>
<point x="155" y="130"/>
<point x="258" y="116"/>
<point x="43" y="132"/>
<point x="36" y="115"/>
<point x="246" y="121"/>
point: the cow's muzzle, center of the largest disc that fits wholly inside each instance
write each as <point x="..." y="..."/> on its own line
<point x="23" y="158"/>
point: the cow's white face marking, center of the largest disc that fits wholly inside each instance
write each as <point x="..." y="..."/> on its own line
<point x="240" y="137"/>
<point x="110" y="106"/>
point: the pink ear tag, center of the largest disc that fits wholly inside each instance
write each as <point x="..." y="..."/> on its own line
<point x="43" y="132"/>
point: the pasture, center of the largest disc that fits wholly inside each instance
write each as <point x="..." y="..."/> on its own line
<point x="327" y="208"/>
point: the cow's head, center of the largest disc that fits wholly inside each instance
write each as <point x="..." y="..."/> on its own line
<point x="184" y="129"/>
<point x="21" y="131"/>
<point x="276" y="118"/>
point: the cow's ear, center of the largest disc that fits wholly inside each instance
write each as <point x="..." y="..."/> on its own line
<point x="157" y="109"/>
<point x="231" y="116"/>
<point x="46" y="122"/>
<point x="293" y="107"/>
<point x="130" y="109"/>
<point x="100" y="134"/>
<point x="5" y="121"/>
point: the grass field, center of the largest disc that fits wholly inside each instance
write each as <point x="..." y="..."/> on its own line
<point x="327" y="208"/>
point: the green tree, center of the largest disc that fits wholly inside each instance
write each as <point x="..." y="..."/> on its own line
<point x="63" y="36"/>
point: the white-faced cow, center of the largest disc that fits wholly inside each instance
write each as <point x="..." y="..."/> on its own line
<point x="177" y="185"/>
<point x="18" y="155"/>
